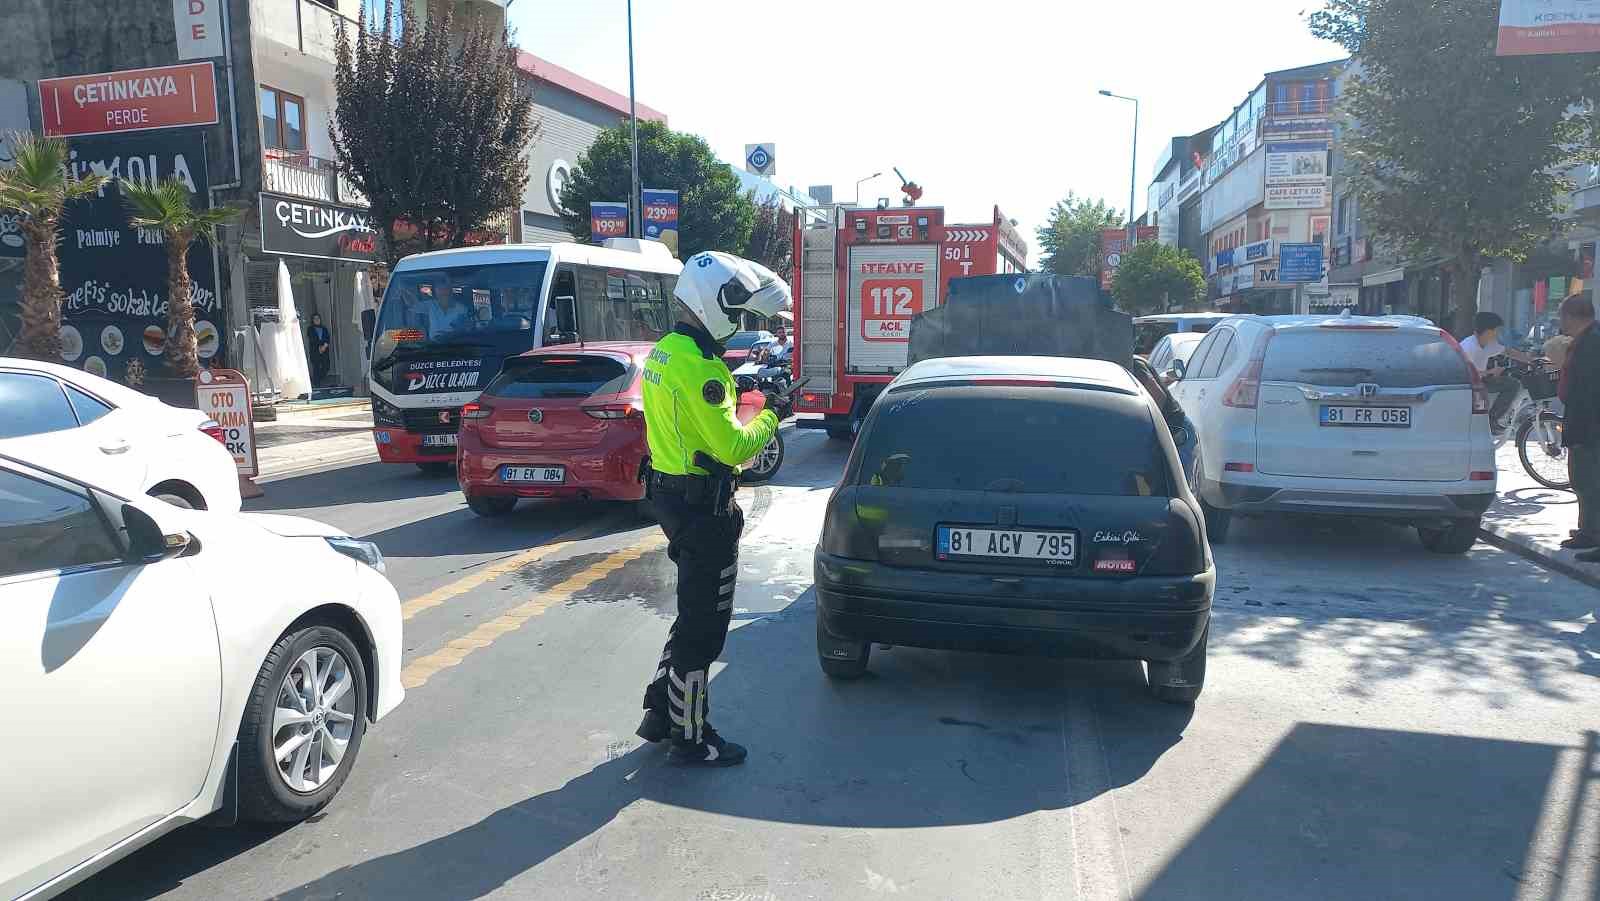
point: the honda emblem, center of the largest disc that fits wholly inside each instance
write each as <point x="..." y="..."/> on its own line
<point x="536" y="416"/>
<point x="1367" y="389"/>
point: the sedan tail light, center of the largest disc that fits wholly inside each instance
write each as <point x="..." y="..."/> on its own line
<point x="475" y="411"/>
<point x="212" y="428"/>
<point x="629" y="410"/>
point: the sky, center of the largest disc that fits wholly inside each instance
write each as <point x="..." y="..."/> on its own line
<point x="981" y="103"/>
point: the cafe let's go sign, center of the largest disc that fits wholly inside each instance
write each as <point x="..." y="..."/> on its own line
<point x="130" y="100"/>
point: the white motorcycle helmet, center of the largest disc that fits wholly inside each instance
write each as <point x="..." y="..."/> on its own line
<point x="717" y="287"/>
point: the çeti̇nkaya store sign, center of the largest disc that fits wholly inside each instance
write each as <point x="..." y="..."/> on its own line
<point x="296" y="227"/>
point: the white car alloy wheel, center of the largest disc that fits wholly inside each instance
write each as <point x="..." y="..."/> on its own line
<point x="315" y="719"/>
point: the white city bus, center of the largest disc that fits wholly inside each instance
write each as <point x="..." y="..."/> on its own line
<point x="449" y="320"/>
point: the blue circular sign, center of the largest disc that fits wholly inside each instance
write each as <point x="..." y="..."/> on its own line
<point x="759" y="158"/>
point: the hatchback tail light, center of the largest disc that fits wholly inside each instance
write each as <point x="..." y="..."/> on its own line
<point x="1481" y="476"/>
<point x="630" y="410"/>
<point x="475" y="411"/>
<point x="1181" y="552"/>
<point x="845" y="532"/>
<point x="1480" y="392"/>
<point x="212" y="428"/>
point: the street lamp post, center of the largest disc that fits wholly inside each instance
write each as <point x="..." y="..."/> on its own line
<point x="862" y="181"/>
<point x="634" y="226"/>
<point x="1133" y="179"/>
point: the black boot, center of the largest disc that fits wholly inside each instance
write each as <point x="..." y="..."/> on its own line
<point x="714" y="751"/>
<point x="655" y="726"/>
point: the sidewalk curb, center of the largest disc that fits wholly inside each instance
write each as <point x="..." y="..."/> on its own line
<point x="332" y="461"/>
<point x="1528" y="550"/>
<point x="298" y="409"/>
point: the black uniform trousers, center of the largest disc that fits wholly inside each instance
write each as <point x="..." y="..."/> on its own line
<point x="706" y="549"/>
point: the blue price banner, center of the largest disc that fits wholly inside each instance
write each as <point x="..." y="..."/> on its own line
<point x="660" y="210"/>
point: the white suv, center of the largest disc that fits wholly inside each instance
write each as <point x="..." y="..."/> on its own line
<point x="1378" y="416"/>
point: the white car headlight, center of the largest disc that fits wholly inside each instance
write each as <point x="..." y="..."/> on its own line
<point x="364" y="551"/>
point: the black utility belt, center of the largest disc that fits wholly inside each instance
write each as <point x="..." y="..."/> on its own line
<point x="693" y="489"/>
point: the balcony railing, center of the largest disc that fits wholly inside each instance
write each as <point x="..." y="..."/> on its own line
<point x="300" y="174"/>
<point x="1300" y="109"/>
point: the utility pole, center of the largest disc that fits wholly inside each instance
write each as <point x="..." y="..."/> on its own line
<point x="1133" y="179"/>
<point x="635" y="228"/>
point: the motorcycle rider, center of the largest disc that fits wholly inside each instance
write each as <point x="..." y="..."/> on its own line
<point x="696" y="441"/>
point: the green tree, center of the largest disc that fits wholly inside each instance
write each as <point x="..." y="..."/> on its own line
<point x="37" y="187"/>
<point x="432" y="123"/>
<point x="713" y="213"/>
<point x="166" y="207"/>
<point x="1156" y="277"/>
<point x="772" y="238"/>
<point x="1070" y="236"/>
<point x="1453" y="151"/>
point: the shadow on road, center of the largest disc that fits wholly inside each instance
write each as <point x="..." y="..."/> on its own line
<point x="1342" y="812"/>
<point x="1396" y="610"/>
<point x="363" y="483"/>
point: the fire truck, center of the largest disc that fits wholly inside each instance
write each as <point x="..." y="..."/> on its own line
<point x="862" y="275"/>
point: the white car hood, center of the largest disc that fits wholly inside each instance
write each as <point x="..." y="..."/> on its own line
<point x="292" y="526"/>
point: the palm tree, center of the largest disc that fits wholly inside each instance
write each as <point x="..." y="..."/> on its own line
<point x="36" y="186"/>
<point x="165" y="206"/>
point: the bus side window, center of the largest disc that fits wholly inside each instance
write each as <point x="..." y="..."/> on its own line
<point x="594" y="306"/>
<point x="563" y="286"/>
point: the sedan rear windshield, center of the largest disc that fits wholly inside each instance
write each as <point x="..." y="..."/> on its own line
<point x="1013" y="439"/>
<point x="1345" y="358"/>
<point x="569" y="375"/>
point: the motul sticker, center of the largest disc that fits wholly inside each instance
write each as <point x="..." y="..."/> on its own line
<point x="1115" y="566"/>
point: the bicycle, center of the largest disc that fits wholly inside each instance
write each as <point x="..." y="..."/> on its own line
<point x="1537" y="426"/>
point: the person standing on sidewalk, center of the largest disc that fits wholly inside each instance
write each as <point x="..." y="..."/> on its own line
<point x="1580" y="393"/>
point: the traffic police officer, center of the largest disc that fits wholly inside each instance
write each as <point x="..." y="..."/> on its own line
<point x="696" y="444"/>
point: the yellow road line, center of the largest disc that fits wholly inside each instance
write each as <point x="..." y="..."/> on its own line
<point x="420" y="670"/>
<point x="494" y="571"/>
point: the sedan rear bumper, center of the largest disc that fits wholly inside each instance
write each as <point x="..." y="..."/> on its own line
<point x="1139" y="618"/>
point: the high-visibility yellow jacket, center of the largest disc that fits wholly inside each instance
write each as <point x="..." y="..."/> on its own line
<point x="690" y="404"/>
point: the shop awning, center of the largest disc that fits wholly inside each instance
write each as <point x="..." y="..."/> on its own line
<point x="1386" y="277"/>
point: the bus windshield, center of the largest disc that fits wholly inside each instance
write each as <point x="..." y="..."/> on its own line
<point x="460" y="304"/>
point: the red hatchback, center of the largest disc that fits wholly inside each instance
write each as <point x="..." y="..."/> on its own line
<point x="562" y="422"/>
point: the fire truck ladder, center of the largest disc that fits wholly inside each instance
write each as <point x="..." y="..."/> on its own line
<point x="819" y="314"/>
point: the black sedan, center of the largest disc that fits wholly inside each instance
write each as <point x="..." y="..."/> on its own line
<point x="1020" y="505"/>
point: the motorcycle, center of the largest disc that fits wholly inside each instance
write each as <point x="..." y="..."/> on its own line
<point x="772" y="379"/>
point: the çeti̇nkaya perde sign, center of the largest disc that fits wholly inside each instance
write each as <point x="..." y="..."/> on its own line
<point x="130" y="100"/>
<point x="297" y="227"/>
<point x="114" y="276"/>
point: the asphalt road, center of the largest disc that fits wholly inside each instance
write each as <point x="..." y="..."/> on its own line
<point x="1378" y="723"/>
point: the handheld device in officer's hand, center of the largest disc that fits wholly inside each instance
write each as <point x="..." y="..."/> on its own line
<point x="793" y="387"/>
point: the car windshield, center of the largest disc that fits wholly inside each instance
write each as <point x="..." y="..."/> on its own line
<point x="1344" y="358"/>
<point x="912" y="440"/>
<point x="459" y="303"/>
